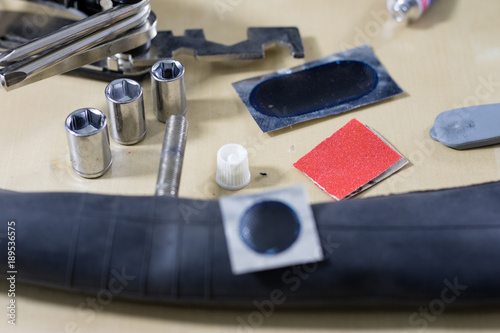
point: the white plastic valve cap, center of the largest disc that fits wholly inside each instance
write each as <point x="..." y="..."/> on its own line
<point x="233" y="172"/>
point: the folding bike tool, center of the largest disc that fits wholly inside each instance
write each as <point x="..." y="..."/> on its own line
<point x="114" y="39"/>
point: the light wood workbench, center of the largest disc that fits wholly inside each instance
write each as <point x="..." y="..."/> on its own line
<point x="443" y="61"/>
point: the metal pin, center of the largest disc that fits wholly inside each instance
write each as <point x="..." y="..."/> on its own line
<point x="172" y="155"/>
<point x="88" y="141"/>
<point x="126" y="111"/>
<point x="168" y="89"/>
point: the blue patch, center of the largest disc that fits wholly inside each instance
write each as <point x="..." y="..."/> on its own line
<point x="314" y="89"/>
<point x="331" y="85"/>
<point x="269" y="227"/>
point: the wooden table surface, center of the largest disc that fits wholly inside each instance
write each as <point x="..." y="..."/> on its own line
<point x="449" y="58"/>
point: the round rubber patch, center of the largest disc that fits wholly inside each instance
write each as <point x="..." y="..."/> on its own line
<point x="269" y="227"/>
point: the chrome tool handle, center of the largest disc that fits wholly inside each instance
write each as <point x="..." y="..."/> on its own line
<point x="81" y="7"/>
<point x="78" y="44"/>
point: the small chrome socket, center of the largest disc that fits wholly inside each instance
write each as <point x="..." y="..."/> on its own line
<point x="168" y="89"/>
<point x="88" y="140"/>
<point x="126" y="111"/>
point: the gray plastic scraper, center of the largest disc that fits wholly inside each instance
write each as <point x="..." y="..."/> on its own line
<point x="469" y="127"/>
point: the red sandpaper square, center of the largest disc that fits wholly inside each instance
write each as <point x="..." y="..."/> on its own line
<point x="349" y="159"/>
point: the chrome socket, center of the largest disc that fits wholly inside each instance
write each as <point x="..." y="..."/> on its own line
<point x="126" y="111"/>
<point x="168" y="89"/>
<point x="88" y="141"/>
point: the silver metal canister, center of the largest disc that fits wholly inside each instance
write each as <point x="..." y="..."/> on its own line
<point x="126" y="111"/>
<point x="88" y="141"/>
<point x="168" y="89"/>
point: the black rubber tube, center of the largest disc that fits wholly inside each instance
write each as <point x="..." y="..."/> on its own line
<point x="401" y="249"/>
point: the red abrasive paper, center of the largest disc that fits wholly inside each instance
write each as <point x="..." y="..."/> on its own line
<point x="347" y="160"/>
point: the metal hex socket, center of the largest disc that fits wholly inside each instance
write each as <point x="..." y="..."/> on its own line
<point x="126" y="111"/>
<point x="88" y="141"/>
<point x="168" y="89"/>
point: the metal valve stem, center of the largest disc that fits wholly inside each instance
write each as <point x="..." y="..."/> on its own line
<point x="172" y="155"/>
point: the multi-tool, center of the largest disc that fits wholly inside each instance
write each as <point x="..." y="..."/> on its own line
<point x="113" y="39"/>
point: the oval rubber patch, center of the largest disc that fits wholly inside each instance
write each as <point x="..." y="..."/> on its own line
<point x="314" y="89"/>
